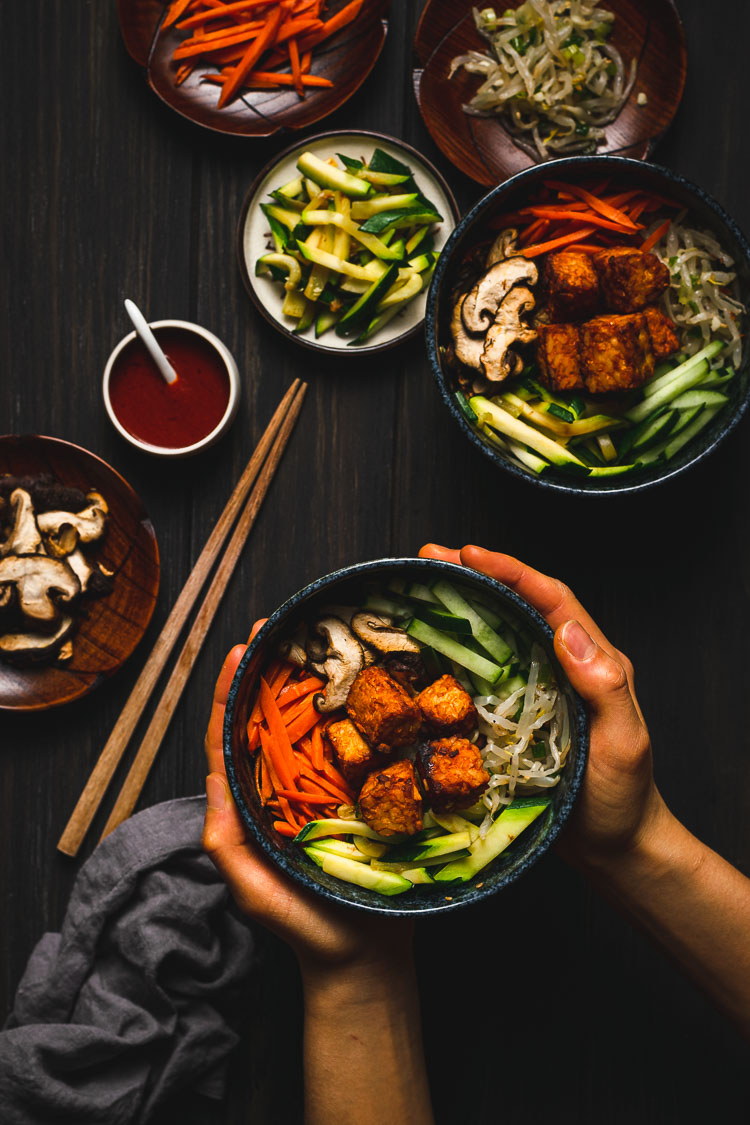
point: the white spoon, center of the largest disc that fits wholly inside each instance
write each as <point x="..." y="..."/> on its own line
<point x="146" y="335"/>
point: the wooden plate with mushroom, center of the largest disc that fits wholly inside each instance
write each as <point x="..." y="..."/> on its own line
<point x="647" y="31"/>
<point x="79" y="572"/>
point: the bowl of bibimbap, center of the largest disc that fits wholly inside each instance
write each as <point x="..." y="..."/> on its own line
<point x="586" y="325"/>
<point x="399" y="737"/>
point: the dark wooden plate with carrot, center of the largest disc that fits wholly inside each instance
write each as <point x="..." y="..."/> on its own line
<point x="253" y="67"/>
<point x="109" y="626"/>
<point x="649" y="31"/>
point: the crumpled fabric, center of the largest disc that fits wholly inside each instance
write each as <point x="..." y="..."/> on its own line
<point x="138" y="997"/>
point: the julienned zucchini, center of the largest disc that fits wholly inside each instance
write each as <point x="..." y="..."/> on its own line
<point x="355" y="317"/>
<point x="334" y="827"/>
<point x="362" y="874"/>
<point x="501" y="420"/>
<point x="509" y="824"/>
<point x="328" y="176"/>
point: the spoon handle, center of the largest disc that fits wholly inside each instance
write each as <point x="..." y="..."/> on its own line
<point x="141" y="326"/>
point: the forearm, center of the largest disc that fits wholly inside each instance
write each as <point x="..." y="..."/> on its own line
<point x="693" y="904"/>
<point x="363" y="1055"/>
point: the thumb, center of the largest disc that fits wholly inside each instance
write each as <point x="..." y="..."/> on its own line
<point x="597" y="677"/>
<point x="223" y="829"/>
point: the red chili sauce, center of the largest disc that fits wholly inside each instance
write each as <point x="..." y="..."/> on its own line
<point x="170" y="415"/>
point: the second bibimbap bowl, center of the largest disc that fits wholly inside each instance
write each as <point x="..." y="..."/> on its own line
<point x="399" y="737"/>
<point x="586" y="325"/>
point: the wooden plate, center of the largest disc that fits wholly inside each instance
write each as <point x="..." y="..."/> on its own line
<point x="347" y="60"/>
<point x="112" y="625"/>
<point x="253" y="235"/>
<point x="648" y="30"/>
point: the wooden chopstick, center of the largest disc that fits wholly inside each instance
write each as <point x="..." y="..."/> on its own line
<point x="108" y="760"/>
<point x="152" y="739"/>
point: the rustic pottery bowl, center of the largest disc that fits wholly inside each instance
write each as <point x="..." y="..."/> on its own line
<point x="339" y="587"/>
<point x="233" y="375"/>
<point x="515" y="192"/>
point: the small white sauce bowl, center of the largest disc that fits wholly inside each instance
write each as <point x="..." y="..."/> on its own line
<point x="227" y="418"/>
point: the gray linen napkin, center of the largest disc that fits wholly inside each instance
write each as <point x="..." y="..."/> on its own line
<point x="134" y="999"/>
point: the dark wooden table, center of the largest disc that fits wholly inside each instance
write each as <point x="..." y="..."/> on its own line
<point x="544" y="1006"/>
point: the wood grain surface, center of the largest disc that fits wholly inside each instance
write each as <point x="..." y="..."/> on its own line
<point x="544" y="1006"/>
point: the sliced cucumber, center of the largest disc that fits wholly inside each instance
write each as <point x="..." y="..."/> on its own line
<point x="699" y="396"/>
<point x="451" y="648"/>
<point x="441" y="619"/>
<point x="341" y="847"/>
<point x="336" y="827"/>
<point x="325" y="321"/>
<point x="420" y="592"/>
<point x="511" y="822"/>
<point x="656" y="385"/>
<point x="419" y="852"/>
<point x="326" y="175"/>
<point x="463" y="403"/>
<point x="378" y="603"/>
<point x="429" y="861"/>
<point x="361" y="310"/>
<point x="482" y="632"/>
<point x="369" y="848"/>
<point x="501" y="420"/>
<point x="381" y="203"/>
<point x="362" y="874"/>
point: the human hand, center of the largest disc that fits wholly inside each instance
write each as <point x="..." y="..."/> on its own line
<point x="619" y="803"/>
<point x="322" y="935"/>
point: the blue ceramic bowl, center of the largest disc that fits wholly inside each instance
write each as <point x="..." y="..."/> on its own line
<point x="345" y="587"/>
<point x="514" y="193"/>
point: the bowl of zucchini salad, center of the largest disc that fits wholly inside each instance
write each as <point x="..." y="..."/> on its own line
<point x="338" y="239"/>
<point x="586" y="325"/>
<point x="399" y="737"/>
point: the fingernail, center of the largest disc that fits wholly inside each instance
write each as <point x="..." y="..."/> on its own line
<point x="216" y="791"/>
<point x="577" y="641"/>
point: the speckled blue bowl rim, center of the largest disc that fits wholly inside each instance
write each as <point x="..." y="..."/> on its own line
<point x="644" y="479"/>
<point x="417" y="905"/>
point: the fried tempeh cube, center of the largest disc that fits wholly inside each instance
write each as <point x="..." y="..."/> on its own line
<point x="390" y="801"/>
<point x="452" y="773"/>
<point x="630" y="279"/>
<point x="447" y="708"/>
<point x="616" y="353"/>
<point x="558" y="352"/>
<point x="355" y="757"/>
<point x="571" y="284"/>
<point x="661" y="330"/>
<point x="384" y="712"/>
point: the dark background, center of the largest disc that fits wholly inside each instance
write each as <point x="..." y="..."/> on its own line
<point x="544" y="1006"/>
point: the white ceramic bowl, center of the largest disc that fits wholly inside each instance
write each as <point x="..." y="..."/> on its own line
<point x="234" y="392"/>
<point x="253" y="235"/>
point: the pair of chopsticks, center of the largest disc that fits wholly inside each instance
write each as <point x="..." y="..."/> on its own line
<point x="259" y="471"/>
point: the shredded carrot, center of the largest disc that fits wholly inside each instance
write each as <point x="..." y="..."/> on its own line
<point x="285" y="829"/>
<point x="279" y="736"/>
<point x="302" y="723"/>
<point x="299" y="688"/>
<point x="317" y="747"/>
<point x="553" y="244"/>
<point x="307" y="798"/>
<point x="597" y="204"/>
<point x="279" y="680"/>
<point x="263" y="40"/>
<point x="238" y="35"/>
<point x="175" y="11"/>
<point x="265" y="79"/>
<point x="654" y="237"/>
<point x="295" y="65"/>
<point x="589" y="217"/>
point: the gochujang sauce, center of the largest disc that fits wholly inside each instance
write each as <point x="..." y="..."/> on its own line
<point x="171" y="415"/>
